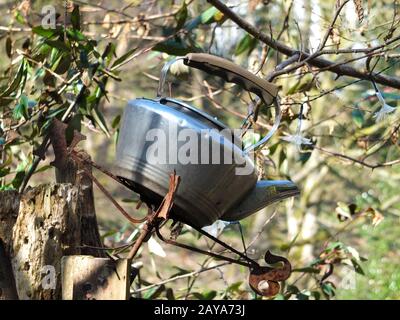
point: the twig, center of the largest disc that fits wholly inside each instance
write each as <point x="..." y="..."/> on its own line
<point x="318" y="62"/>
<point x="261" y="230"/>
<point x="182" y="276"/>
<point x="363" y="163"/>
<point x="46" y="141"/>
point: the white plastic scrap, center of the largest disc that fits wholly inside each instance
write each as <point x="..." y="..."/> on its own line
<point x="297" y="139"/>
<point x="216" y="228"/>
<point x="385" y="109"/>
<point x="155" y="247"/>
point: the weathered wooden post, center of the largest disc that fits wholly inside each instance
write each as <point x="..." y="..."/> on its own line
<point x="37" y="228"/>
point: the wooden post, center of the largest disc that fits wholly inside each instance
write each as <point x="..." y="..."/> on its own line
<point x="46" y="229"/>
<point x="90" y="278"/>
<point x="8" y="291"/>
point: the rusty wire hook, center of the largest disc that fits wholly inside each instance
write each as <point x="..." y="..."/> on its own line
<point x="77" y="158"/>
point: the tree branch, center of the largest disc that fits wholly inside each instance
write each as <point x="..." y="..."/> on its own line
<point x="340" y="70"/>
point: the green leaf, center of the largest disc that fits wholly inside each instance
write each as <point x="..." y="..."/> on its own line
<point x="208" y="15"/>
<point x="64" y="64"/>
<point x="293" y="88"/>
<point x="83" y="59"/>
<point x="76" y="18"/>
<point x="4" y="172"/>
<point x="99" y="120"/>
<point x="304" y="156"/>
<point x="250" y="138"/>
<point x="282" y="157"/>
<point x="316" y="295"/>
<point x="175" y="47"/>
<point x="334" y="245"/>
<point x="58" y="44"/>
<point x="273" y="148"/>
<point x="9" y="47"/>
<point x="21" y="109"/>
<point x="358" y="117"/>
<point x="302" y="296"/>
<point x="357" y="267"/>
<point x="292" y="289"/>
<point x="116" y="121"/>
<point x="121" y="60"/>
<point x="246" y="45"/>
<point x="170" y="294"/>
<point x="108" y="53"/>
<point x="46" y="33"/>
<point x="18" y="79"/>
<point x="234" y="287"/>
<point x="181" y="16"/>
<point x="328" y="289"/>
<point x="304" y="84"/>
<point x="20" y="18"/>
<point x="209" y="295"/>
<point x="19" y="177"/>
<point x="154" y="292"/>
<point x="76" y="35"/>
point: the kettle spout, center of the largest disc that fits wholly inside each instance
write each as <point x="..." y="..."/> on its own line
<point x="264" y="193"/>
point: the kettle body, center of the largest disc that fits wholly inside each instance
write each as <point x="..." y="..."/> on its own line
<point x="152" y="143"/>
<point x="218" y="178"/>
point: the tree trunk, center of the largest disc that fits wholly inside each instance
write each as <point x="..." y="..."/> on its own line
<point x="9" y="205"/>
<point x="8" y="291"/>
<point x="74" y="174"/>
<point x="40" y="227"/>
<point x="47" y="228"/>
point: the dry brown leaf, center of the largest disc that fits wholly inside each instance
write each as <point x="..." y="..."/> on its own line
<point x="25" y="7"/>
<point x="253" y="4"/>
<point x="106" y="21"/>
<point x="335" y="36"/>
<point x="376" y="216"/>
<point x="168" y="201"/>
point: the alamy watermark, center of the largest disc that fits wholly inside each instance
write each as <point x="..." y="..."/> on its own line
<point x="49" y="280"/>
<point x="206" y="146"/>
<point x="49" y="17"/>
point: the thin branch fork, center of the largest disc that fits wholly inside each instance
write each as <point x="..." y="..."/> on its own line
<point x="361" y="162"/>
<point x="316" y="60"/>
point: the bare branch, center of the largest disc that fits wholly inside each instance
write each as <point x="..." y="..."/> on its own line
<point x="340" y="70"/>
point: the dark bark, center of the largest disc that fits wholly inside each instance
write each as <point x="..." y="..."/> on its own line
<point x="90" y="236"/>
<point x="8" y="291"/>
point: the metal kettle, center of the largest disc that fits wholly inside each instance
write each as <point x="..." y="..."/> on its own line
<point x="158" y="136"/>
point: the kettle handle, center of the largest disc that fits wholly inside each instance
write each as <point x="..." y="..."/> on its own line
<point x="232" y="73"/>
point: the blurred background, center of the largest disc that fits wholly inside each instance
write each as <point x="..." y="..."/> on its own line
<point x="341" y="234"/>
